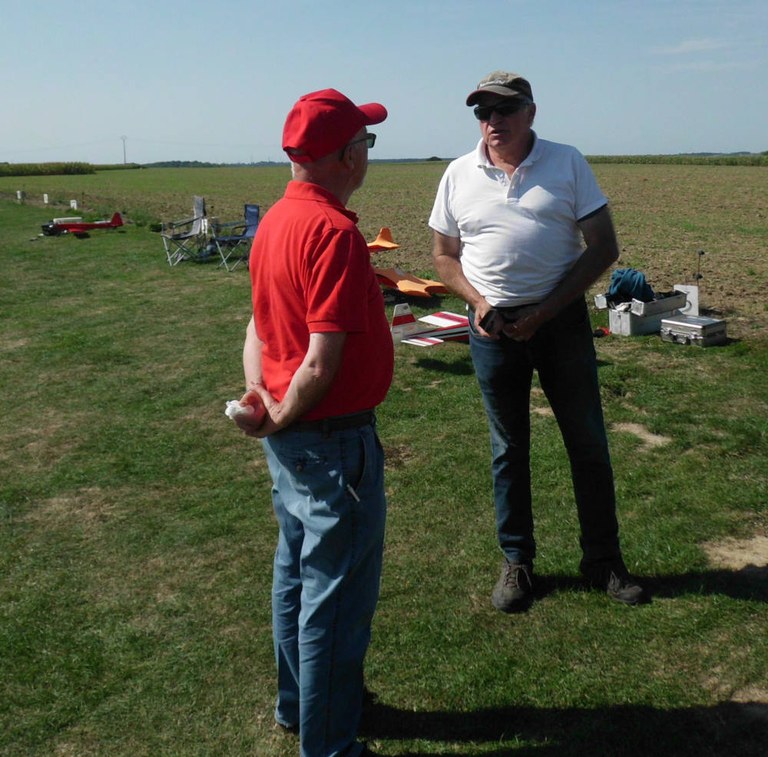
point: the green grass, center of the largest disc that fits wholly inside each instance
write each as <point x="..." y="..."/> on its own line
<point x="136" y="534"/>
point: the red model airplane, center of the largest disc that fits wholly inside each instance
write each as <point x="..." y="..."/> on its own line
<point x="78" y="227"/>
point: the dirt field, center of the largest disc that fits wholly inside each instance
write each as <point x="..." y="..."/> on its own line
<point x="665" y="214"/>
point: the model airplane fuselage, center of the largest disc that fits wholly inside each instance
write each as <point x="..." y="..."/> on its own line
<point x="442" y="327"/>
<point x="78" y="227"/>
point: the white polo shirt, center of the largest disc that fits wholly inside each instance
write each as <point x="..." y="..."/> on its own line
<point x="518" y="235"/>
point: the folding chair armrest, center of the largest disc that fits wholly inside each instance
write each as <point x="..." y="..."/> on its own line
<point x="231" y="229"/>
<point x="228" y="226"/>
<point x="175" y="226"/>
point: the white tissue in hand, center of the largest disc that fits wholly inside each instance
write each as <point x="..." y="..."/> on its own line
<point x="235" y="409"/>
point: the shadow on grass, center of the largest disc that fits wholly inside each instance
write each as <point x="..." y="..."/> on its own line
<point x="457" y="367"/>
<point x="750" y="583"/>
<point x="729" y="728"/>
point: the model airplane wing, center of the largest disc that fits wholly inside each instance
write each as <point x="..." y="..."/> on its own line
<point x="442" y="327"/>
<point x="407" y="283"/>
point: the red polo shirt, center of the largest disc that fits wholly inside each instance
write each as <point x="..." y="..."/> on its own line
<point x="311" y="272"/>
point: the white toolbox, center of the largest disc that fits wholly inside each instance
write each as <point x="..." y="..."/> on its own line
<point x="626" y="323"/>
<point x="664" y="303"/>
<point x="697" y="330"/>
<point x="637" y="317"/>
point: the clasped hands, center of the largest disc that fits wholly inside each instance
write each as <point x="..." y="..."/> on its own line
<point x="519" y="326"/>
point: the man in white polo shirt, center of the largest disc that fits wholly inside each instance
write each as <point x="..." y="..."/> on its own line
<point x="521" y="230"/>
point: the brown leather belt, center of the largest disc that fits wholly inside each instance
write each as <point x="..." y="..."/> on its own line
<point x="335" y="423"/>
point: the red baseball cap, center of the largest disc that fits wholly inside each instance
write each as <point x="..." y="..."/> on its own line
<point x="324" y="121"/>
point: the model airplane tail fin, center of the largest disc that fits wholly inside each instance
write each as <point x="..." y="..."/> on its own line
<point x="383" y="241"/>
<point x="117" y="220"/>
<point x="403" y="322"/>
<point x="441" y="327"/>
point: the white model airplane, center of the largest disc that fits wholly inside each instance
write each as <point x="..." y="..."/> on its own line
<point x="443" y="327"/>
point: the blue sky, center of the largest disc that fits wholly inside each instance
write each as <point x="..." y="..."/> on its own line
<point x="213" y="81"/>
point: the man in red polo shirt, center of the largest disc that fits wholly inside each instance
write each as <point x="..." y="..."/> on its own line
<point x="319" y="356"/>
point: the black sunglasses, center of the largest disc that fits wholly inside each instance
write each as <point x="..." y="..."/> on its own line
<point x="484" y="112"/>
<point x="369" y="139"/>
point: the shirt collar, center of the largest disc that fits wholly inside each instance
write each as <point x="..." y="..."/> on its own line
<point x="305" y="190"/>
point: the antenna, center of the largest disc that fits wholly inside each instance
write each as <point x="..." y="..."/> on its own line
<point x="698" y="275"/>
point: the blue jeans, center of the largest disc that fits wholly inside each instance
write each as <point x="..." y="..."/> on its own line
<point x="328" y="497"/>
<point x="563" y="354"/>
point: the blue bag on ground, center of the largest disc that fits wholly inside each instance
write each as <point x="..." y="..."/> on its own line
<point x="629" y="284"/>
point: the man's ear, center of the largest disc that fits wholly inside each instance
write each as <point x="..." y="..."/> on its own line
<point x="348" y="157"/>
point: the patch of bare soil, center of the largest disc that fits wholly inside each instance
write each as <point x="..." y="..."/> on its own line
<point x="750" y="556"/>
<point x="397" y="456"/>
<point x="648" y="439"/>
<point x="739" y="554"/>
<point x="752" y="694"/>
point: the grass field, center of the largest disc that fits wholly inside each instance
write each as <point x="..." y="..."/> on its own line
<point x="136" y="535"/>
<point x="664" y="215"/>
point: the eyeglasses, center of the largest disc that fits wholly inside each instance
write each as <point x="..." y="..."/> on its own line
<point x="504" y="109"/>
<point x="370" y="139"/>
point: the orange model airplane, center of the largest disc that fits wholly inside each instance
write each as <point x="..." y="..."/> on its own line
<point x="78" y="227"/>
<point x="397" y="278"/>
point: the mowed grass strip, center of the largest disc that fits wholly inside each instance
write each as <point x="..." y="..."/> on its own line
<point x="136" y="533"/>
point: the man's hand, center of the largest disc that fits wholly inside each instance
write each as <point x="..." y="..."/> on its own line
<point x="255" y="422"/>
<point x="488" y="322"/>
<point x="525" y="323"/>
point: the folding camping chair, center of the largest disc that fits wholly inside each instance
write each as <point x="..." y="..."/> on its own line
<point x="186" y="239"/>
<point x="233" y="240"/>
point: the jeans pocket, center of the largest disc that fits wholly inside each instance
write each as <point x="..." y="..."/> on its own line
<point x="474" y="333"/>
<point x="355" y="463"/>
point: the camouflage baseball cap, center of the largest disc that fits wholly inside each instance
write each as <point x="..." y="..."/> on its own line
<point x="502" y="83"/>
